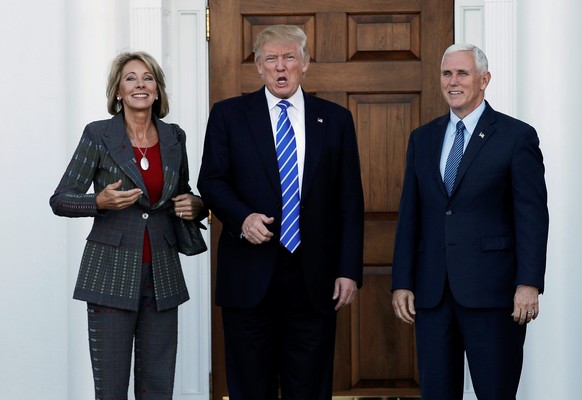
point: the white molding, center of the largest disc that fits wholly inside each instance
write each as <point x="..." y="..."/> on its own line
<point x="469" y="22"/>
<point x="186" y="66"/>
<point x="174" y="33"/>
<point x="491" y="25"/>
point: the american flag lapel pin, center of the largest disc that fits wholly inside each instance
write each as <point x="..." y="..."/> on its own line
<point x="320" y="120"/>
<point x="481" y="135"/>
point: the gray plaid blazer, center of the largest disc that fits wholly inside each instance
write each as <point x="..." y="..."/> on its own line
<point x="110" y="268"/>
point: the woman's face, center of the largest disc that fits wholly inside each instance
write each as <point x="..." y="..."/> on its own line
<point x="138" y="88"/>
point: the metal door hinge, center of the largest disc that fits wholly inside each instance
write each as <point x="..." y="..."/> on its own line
<point x="207" y="24"/>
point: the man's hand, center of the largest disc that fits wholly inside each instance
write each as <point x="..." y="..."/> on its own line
<point x="254" y="228"/>
<point x="403" y="303"/>
<point x="525" y="304"/>
<point x="112" y="199"/>
<point x="344" y="292"/>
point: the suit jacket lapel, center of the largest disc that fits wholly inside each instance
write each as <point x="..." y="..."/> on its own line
<point x="483" y="131"/>
<point x="315" y="133"/>
<point x="121" y="151"/>
<point x="437" y="143"/>
<point x="259" y="122"/>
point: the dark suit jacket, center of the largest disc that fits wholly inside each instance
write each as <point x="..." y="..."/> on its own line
<point x="111" y="265"/>
<point x="239" y="176"/>
<point x="491" y="234"/>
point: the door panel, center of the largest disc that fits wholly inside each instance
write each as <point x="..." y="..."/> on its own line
<point x="380" y="59"/>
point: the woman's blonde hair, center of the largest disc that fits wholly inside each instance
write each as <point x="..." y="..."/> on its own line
<point x="161" y="106"/>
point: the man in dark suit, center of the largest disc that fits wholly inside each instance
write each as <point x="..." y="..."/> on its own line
<point x="284" y="179"/>
<point x="470" y="248"/>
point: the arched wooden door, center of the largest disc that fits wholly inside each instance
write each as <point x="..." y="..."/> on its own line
<point x="381" y="60"/>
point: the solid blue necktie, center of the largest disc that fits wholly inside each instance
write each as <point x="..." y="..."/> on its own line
<point x="289" y="174"/>
<point x="454" y="158"/>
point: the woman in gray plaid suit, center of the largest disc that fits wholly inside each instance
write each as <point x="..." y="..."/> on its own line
<point x="130" y="274"/>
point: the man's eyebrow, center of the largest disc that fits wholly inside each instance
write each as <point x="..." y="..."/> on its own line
<point x="456" y="70"/>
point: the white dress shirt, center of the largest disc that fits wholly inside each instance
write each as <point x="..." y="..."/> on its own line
<point x="470" y="122"/>
<point x="296" y="113"/>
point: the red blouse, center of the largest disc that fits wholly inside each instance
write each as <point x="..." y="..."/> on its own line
<point x="154" y="182"/>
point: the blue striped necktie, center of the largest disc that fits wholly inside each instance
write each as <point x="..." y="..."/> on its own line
<point x="454" y="158"/>
<point x="289" y="174"/>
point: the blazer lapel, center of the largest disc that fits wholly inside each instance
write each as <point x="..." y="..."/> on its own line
<point x="121" y="151"/>
<point x="171" y="152"/>
<point x="315" y="133"/>
<point x="259" y="122"/>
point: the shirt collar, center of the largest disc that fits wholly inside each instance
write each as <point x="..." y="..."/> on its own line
<point x="470" y="120"/>
<point x="297" y="101"/>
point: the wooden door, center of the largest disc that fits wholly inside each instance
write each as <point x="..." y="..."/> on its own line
<point x="380" y="59"/>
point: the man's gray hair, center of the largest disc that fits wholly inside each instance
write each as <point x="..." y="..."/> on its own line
<point x="480" y="58"/>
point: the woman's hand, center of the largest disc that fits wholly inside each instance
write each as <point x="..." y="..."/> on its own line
<point x="112" y="199"/>
<point x="187" y="206"/>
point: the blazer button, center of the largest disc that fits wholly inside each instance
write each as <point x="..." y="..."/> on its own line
<point x="449" y="212"/>
<point x="145" y="215"/>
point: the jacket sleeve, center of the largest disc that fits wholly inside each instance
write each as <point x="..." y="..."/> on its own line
<point x="184" y="183"/>
<point x="405" y="246"/>
<point x="215" y="181"/>
<point x="352" y="207"/>
<point x="531" y="217"/>
<point x="70" y="198"/>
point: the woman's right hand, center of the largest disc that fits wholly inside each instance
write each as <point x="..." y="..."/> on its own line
<point x="112" y="199"/>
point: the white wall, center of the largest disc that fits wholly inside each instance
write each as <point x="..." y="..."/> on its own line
<point x="55" y="59"/>
<point x="33" y="278"/>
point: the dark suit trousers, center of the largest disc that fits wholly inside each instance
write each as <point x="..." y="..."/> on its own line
<point x="282" y="341"/>
<point x="112" y="333"/>
<point x="493" y="344"/>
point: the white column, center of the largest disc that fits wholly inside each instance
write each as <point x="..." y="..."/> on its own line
<point x="548" y="87"/>
<point x="146" y="30"/>
<point x="96" y="33"/>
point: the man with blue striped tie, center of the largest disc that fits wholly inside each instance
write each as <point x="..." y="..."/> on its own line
<point x="280" y="170"/>
<point x="470" y="248"/>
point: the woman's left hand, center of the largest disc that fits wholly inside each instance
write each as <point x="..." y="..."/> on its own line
<point x="187" y="206"/>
